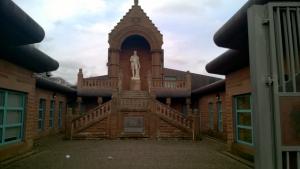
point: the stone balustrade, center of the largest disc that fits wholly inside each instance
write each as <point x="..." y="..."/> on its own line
<point x="170" y="84"/>
<point x="99" y="83"/>
<point x="92" y="116"/>
<point x="172" y="114"/>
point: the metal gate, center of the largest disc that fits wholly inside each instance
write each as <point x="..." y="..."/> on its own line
<point x="274" y="48"/>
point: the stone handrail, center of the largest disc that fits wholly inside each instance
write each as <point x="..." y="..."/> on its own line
<point x="171" y="84"/>
<point x="172" y="114"/>
<point x="91" y="116"/>
<point x="99" y="83"/>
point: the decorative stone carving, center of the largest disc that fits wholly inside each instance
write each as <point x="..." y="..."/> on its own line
<point x="135" y="66"/>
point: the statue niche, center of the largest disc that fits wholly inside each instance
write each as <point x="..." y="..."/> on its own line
<point x="135" y="66"/>
<point x="135" y="63"/>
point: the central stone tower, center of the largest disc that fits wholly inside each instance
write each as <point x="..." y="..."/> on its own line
<point x="135" y="32"/>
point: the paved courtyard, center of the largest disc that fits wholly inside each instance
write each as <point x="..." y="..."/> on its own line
<point x="55" y="153"/>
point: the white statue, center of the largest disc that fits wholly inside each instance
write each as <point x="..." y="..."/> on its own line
<point x="135" y="66"/>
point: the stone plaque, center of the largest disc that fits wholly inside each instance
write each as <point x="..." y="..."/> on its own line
<point x="133" y="124"/>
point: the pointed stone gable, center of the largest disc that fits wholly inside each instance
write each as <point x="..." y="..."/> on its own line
<point x="136" y="21"/>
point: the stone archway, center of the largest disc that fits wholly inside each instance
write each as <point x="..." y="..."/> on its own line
<point x="143" y="48"/>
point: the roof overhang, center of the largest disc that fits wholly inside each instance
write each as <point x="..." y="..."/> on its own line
<point x="95" y="92"/>
<point x="234" y="33"/>
<point x="44" y="83"/>
<point x="17" y="28"/>
<point x="30" y="58"/>
<point x="173" y="93"/>
<point x="218" y="86"/>
<point x="228" y="62"/>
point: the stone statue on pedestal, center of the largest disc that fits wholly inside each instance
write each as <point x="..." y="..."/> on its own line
<point x="135" y="66"/>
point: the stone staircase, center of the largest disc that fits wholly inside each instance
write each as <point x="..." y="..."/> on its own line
<point x="106" y="122"/>
<point x="172" y="116"/>
<point x="83" y="122"/>
<point x="134" y="101"/>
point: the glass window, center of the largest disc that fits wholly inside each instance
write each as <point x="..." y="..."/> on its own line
<point x="42" y="109"/>
<point x="12" y="133"/>
<point x="1" y="99"/>
<point x="170" y="78"/>
<point x="14" y="101"/>
<point x="1" y="117"/>
<point x="244" y="129"/>
<point x="243" y="102"/>
<point x="211" y="115"/>
<point x="51" y="113"/>
<point x="11" y="116"/>
<point x="244" y="118"/>
<point x="220" y="116"/>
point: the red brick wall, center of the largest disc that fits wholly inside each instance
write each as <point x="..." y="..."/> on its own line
<point x="203" y="107"/>
<point x="15" y="78"/>
<point x="237" y="83"/>
<point x="48" y="96"/>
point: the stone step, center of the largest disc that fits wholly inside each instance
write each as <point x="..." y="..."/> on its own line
<point x="134" y="94"/>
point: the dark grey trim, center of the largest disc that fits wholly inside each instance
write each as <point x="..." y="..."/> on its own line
<point x="44" y="83"/>
<point x="218" y="86"/>
<point x="95" y="92"/>
<point x="17" y="28"/>
<point x="228" y="62"/>
<point x="173" y="93"/>
<point x="29" y="58"/>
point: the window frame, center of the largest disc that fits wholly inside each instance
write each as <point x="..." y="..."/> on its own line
<point x="51" y="113"/>
<point x="41" y="110"/>
<point x="60" y="111"/>
<point x="237" y="125"/>
<point x="5" y="109"/>
<point x="220" y="116"/>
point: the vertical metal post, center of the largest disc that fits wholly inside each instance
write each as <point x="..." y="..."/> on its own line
<point x="298" y="160"/>
<point x="286" y="40"/>
<point x="292" y="57"/>
<point x="265" y="155"/>
<point x="279" y="47"/>
<point x="287" y="160"/>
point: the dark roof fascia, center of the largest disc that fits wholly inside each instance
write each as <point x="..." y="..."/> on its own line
<point x="30" y="58"/>
<point x="218" y="86"/>
<point x="234" y="33"/>
<point x="165" y="93"/>
<point x="228" y="62"/>
<point x="44" y="83"/>
<point x="95" y="92"/>
<point x="17" y="28"/>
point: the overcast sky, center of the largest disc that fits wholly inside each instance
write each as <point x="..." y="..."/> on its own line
<point x="77" y="31"/>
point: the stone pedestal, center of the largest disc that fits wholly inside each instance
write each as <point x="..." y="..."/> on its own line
<point x="135" y="84"/>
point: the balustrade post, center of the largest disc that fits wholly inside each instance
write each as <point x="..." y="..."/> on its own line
<point x="100" y="100"/>
<point x="168" y="101"/>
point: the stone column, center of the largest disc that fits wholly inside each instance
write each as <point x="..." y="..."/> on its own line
<point x="188" y="106"/>
<point x="188" y="78"/>
<point x="78" y="106"/>
<point x="79" y="79"/>
<point x="169" y="101"/>
<point x="113" y="64"/>
<point x="157" y="64"/>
